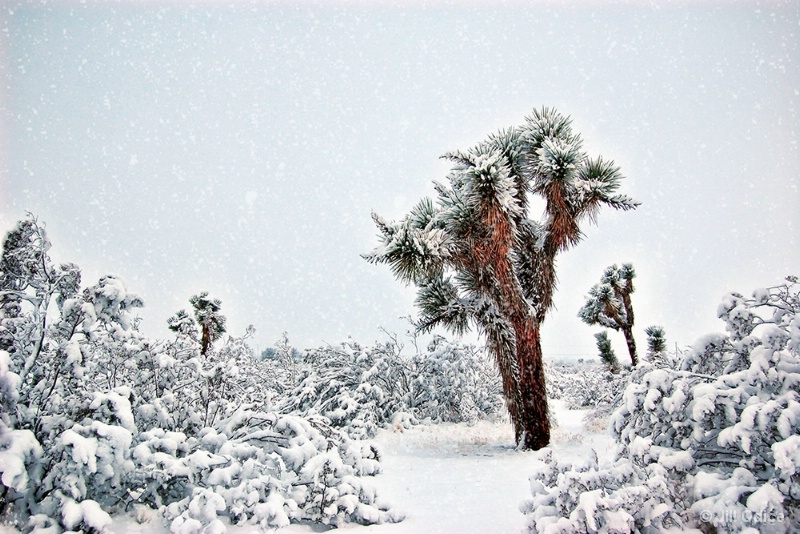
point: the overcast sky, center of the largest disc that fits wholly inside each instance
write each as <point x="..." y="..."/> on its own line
<point x="239" y="148"/>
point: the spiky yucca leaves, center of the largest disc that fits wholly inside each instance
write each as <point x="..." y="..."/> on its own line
<point x="439" y="303"/>
<point x="476" y="257"/>
<point x="208" y="316"/>
<point x="656" y="339"/>
<point x="606" y="352"/>
<point x="415" y="244"/>
<point x="609" y="304"/>
<point x="573" y="185"/>
<point x="657" y="347"/>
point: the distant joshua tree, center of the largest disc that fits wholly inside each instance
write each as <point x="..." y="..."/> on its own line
<point x="657" y="346"/>
<point x="609" y="304"/>
<point x="206" y="315"/>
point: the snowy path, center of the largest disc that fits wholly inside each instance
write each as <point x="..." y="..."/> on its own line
<point x="468" y="487"/>
<point x="457" y="479"/>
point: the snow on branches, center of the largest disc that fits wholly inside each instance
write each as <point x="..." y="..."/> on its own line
<point x="711" y="444"/>
<point x="98" y="419"/>
<point x="361" y="389"/>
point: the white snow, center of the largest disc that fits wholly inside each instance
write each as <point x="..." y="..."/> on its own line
<point x="453" y="478"/>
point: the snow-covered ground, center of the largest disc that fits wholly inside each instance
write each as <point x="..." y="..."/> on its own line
<point x="453" y="478"/>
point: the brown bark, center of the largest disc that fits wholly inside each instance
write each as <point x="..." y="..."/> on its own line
<point x="627" y="328"/>
<point x="628" y="332"/>
<point x="520" y="359"/>
<point x="502" y="345"/>
<point x="511" y="388"/>
<point x="534" y="430"/>
<point x="536" y="426"/>
<point x="205" y="340"/>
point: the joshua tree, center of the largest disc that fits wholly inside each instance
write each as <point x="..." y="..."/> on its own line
<point x="476" y="257"/>
<point x="207" y="316"/>
<point x="657" y="346"/>
<point x="609" y="304"/>
<point x="606" y="352"/>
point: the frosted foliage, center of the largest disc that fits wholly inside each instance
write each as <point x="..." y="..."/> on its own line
<point x="112" y="301"/>
<point x="454" y="383"/>
<point x="98" y="419"/>
<point x="711" y="444"/>
<point x="491" y="178"/>
<point x="361" y="389"/>
<point x="559" y="158"/>
<point x="583" y="385"/>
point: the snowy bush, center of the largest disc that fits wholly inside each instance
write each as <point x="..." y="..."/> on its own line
<point x="258" y="469"/>
<point x="356" y="388"/>
<point x="454" y="383"/>
<point x="584" y="385"/>
<point x="712" y="445"/>
<point x="96" y="418"/>
<point x="360" y="389"/>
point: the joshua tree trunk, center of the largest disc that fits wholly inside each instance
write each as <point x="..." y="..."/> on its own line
<point x="205" y="340"/>
<point x="536" y="424"/>
<point x="628" y="332"/>
<point x="507" y="364"/>
<point x="534" y="430"/>
<point x="627" y="329"/>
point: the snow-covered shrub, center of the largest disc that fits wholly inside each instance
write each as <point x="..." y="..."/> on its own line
<point x="454" y="383"/>
<point x="97" y="418"/>
<point x="627" y="496"/>
<point x="258" y="469"/>
<point x="360" y="389"/>
<point x="712" y="445"/>
<point x="357" y="388"/>
<point x="584" y="384"/>
<point x="285" y="360"/>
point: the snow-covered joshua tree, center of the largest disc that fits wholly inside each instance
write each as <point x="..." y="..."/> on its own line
<point x="609" y="304"/>
<point x="208" y="318"/>
<point x="475" y="256"/>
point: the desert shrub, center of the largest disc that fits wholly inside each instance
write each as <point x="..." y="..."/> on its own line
<point x="454" y="383"/>
<point x="96" y="418"/>
<point x="711" y="445"/>
<point x="584" y="384"/>
<point x="361" y="389"/>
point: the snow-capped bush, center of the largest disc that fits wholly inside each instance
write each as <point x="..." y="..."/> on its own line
<point x="360" y="389"/>
<point x="712" y="445"/>
<point x="584" y="385"/>
<point x="453" y="383"/>
<point x="258" y="469"/>
<point x="356" y="388"/>
<point x="97" y="418"/>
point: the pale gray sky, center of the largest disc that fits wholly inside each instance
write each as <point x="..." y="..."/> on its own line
<point x="240" y="147"/>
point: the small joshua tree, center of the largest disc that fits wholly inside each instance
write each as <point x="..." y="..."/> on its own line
<point x="207" y="317"/>
<point x="657" y="346"/>
<point x="609" y="304"/>
<point x="606" y="352"/>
